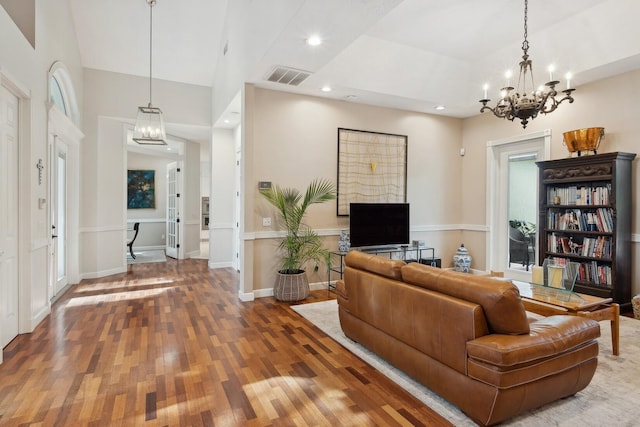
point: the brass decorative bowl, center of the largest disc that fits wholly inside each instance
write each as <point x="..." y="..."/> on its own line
<point x="587" y="139"/>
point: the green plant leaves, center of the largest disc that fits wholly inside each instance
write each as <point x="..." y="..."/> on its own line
<point x="301" y="244"/>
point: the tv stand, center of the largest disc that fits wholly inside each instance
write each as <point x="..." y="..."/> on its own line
<point x="381" y="248"/>
<point x="401" y="252"/>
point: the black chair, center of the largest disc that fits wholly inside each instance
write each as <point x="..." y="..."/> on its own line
<point x="136" y="228"/>
<point x="521" y="249"/>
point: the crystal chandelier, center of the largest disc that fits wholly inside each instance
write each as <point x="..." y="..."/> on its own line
<point x="149" y="129"/>
<point x="525" y="101"/>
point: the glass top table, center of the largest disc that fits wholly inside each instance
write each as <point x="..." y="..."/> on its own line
<point x="548" y="301"/>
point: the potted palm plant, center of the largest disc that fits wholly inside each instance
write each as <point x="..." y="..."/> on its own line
<point x="301" y="243"/>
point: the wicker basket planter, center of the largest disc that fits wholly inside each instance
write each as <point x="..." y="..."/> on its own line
<point x="291" y="286"/>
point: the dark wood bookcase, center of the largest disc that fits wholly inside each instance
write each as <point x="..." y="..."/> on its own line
<point x="584" y="216"/>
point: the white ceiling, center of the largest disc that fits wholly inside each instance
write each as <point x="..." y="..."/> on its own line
<point x="409" y="54"/>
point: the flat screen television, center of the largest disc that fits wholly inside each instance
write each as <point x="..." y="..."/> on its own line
<point x="378" y="224"/>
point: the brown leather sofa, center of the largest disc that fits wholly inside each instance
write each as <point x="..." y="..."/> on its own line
<point x="465" y="337"/>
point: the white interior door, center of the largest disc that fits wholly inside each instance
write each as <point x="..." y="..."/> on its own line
<point x="174" y="226"/>
<point x="59" y="230"/>
<point x="8" y="217"/>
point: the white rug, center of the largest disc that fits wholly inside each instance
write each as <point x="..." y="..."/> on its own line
<point x="147" y="256"/>
<point x="611" y="399"/>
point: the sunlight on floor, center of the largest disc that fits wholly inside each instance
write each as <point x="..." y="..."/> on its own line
<point x="282" y="389"/>
<point x="92" y="287"/>
<point x="120" y="296"/>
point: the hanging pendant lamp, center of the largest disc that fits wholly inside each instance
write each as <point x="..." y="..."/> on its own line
<point x="149" y="129"/>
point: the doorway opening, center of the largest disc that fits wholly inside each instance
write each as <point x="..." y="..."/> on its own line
<point x="522" y="210"/>
<point x="512" y="202"/>
<point x="63" y="205"/>
<point x="162" y="229"/>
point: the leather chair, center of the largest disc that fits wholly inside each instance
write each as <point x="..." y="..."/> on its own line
<point x="136" y="228"/>
<point x="521" y="249"/>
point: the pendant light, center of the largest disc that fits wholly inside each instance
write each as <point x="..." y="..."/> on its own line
<point x="149" y="129"/>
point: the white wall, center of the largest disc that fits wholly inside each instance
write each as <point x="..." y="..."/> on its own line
<point x="222" y="201"/>
<point x="111" y="99"/>
<point x="244" y="48"/>
<point x="26" y="67"/>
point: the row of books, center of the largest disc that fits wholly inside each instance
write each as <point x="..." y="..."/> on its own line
<point x="599" y="275"/>
<point x="574" y="195"/>
<point x="598" y="247"/>
<point x="591" y="272"/>
<point x="574" y="219"/>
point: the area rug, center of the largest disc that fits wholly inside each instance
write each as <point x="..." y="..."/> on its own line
<point x="611" y="399"/>
<point x="147" y="256"/>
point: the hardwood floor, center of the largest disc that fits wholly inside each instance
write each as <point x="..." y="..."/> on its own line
<point x="170" y="344"/>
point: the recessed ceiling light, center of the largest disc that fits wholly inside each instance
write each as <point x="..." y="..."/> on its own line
<point x="439" y="107"/>
<point x="326" y="88"/>
<point x="314" y="40"/>
<point x="226" y="120"/>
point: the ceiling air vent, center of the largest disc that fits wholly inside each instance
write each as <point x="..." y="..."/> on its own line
<point x="287" y="76"/>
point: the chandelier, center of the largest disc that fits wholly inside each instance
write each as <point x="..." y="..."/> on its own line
<point x="526" y="101"/>
<point x="149" y="129"/>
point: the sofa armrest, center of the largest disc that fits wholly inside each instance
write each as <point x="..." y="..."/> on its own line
<point x="548" y="337"/>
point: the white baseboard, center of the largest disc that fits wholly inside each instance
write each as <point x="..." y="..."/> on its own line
<point x="245" y="297"/>
<point x="147" y="248"/>
<point x="39" y="317"/>
<point x="213" y="265"/>
<point x="193" y="254"/>
<point x="103" y="273"/>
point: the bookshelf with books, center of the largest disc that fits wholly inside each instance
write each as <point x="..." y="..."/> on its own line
<point x="584" y="216"/>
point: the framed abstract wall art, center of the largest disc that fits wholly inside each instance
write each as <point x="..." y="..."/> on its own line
<point x="372" y="168"/>
<point x="141" y="192"/>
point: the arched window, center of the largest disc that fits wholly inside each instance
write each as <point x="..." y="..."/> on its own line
<point x="61" y="92"/>
<point x="56" y="95"/>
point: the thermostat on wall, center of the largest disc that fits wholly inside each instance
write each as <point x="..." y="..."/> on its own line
<point x="264" y="185"/>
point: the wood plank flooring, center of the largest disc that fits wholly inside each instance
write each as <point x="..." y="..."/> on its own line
<point x="170" y="344"/>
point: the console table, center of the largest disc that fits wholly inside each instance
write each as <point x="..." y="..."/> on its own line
<point x="404" y="253"/>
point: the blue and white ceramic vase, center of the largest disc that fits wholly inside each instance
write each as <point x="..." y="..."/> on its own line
<point x="462" y="260"/>
<point x="343" y="243"/>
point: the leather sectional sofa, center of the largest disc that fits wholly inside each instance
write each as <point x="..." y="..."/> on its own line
<point x="467" y="338"/>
